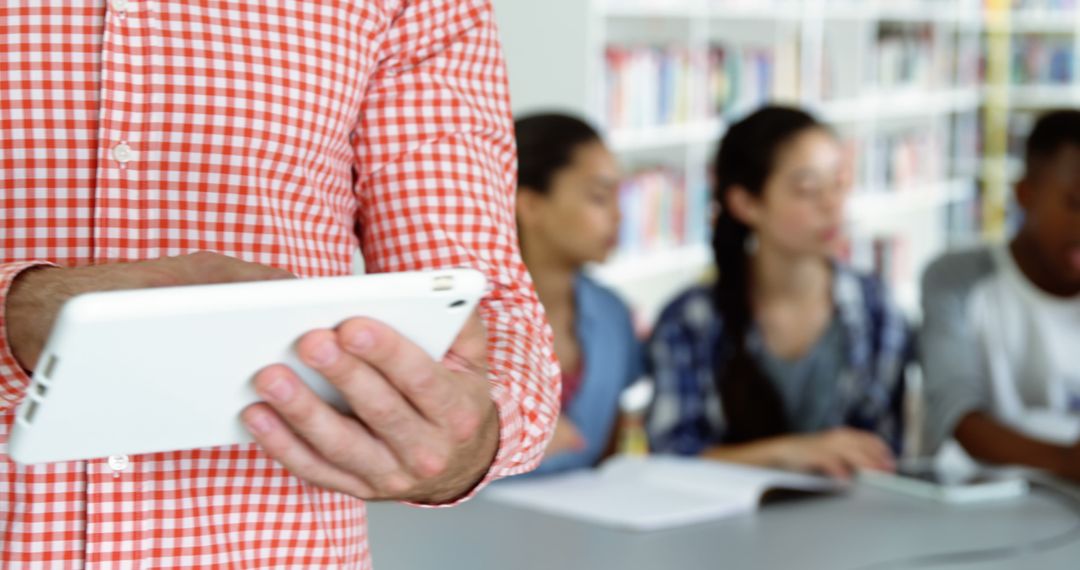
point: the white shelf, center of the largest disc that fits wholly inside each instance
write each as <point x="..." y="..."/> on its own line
<point x="875" y="211"/>
<point x="757" y="10"/>
<point x="631" y="140"/>
<point x="913" y="13"/>
<point x="978" y="169"/>
<point x="646" y="11"/>
<point x="1039" y="21"/>
<point x="781" y="11"/>
<point x="1044" y="96"/>
<point x="648" y="281"/>
<point x="774" y="12"/>
<point x="625" y="269"/>
<point x="1020" y="21"/>
<point x="904" y="105"/>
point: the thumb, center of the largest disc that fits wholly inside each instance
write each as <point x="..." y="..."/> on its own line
<point x="469" y="350"/>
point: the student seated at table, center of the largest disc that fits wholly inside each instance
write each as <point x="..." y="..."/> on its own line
<point x="1001" y="339"/>
<point x="791" y="359"/>
<point x="568" y="216"/>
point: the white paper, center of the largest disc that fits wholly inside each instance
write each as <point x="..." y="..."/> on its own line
<point x="652" y="493"/>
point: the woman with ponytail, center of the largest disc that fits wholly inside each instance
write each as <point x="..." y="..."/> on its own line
<point x="790" y="359"/>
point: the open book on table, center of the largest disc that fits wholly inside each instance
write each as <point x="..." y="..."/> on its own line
<point x="656" y="492"/>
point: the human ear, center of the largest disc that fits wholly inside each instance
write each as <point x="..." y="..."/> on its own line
<point x="744" y="206"/>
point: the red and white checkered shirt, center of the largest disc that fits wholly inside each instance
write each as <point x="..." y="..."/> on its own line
<point x="281" y="132"/>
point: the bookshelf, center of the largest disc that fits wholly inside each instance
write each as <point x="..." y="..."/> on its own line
<point x="1032" y="65"/>
<point x="901" y="81"/>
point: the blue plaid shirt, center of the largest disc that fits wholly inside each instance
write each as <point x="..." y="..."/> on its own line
<point x="687" y="417"/>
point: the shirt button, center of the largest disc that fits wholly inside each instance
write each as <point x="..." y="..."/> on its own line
<point x="118" y="462"/>
<point x="119" y="6"/>
<point x="122" y="153"/>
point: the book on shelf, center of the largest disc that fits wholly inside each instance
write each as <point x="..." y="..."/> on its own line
<point x="963" y="221"/>
<point x="661" y="210"/>
<point x="967" y="142"/>
<point x="1021" y="122"/>
<point x="838" y="80"/>
<point x="897" y="160"/>
<point x="901" y="56"/>
<point x="739" y="78"/>
<point x="744" y="77"/>
<point x="906" y="56"/>
<point x="658" y="86"/>
<point x="653" y="86"/>
<point x="1043" y="60"/>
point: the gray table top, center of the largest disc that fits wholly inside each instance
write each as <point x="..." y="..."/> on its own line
<point x="865" y="529"/>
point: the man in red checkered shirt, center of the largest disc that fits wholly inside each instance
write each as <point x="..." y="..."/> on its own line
<point x="281" y="136"/>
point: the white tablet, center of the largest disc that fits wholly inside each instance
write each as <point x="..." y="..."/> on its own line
<point x="149" y="370"/>
<point x="925" y="480"/>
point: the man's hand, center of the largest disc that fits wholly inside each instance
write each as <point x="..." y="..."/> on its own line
<point x="36" y="295"/>
<point x="420" y="430"/>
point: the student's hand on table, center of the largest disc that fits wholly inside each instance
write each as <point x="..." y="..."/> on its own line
<point x="566" y="438"/>
<point x="420" y="430"/>
<point x="1070" y="463"/>
<point x="37" y="294"/>
<point x="992" y="441"/>
<point x="838" y="453"/>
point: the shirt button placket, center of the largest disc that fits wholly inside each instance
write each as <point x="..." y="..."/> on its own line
<point x="122" y="153"/>
<point x="118" y="463"/>
<point x="116" y="522"/>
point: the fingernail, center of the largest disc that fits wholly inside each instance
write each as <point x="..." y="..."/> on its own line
<point x="280" y="389"/>
<point x="361" y="340"/>
<point x="324" y="353"/>
<point x="261" y="423"/>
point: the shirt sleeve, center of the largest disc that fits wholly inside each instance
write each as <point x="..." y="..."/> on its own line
<point x="13" y="379"/>
<point x="949" y="350"/>
<point x="436" y="176"/>
<point x="676" y="420"/>
<point x="636" y="356"/>
<point x="895" y="352"/>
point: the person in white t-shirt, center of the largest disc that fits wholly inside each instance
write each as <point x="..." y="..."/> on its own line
<point x="1001" y="337"/>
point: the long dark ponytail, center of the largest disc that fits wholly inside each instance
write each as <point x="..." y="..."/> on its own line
<point x="747" y="156"/>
